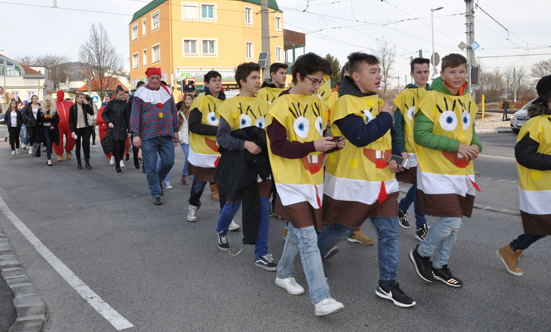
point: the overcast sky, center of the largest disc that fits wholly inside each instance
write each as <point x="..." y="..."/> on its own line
<point x="33" y="27"/>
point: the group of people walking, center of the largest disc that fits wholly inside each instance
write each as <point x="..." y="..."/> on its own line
<point x="326" y="161"/>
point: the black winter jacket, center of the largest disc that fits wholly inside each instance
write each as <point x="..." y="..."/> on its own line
<point x="54" y="121"/>
<point x="28" y="117"/>
<point x="7" y="119"/>
<point x="86" y="109"/>
<point x="117" y="112"/>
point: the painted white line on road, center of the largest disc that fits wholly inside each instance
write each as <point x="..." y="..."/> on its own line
<point x="104" y="309"/>
<point x="485" y="155"/>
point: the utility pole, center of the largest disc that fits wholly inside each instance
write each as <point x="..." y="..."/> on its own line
<point x="265" y="17"/>
<point x="470" y="40"/>
<point x="514" y="84"/>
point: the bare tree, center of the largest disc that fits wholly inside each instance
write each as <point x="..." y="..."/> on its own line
<point x="492" y="85"/>
<point x="56" y="64"/>
<point x="386" y="53"/>
<point x="541" y="68"/>
<point x="101" y="58"/>
<point x="518" y="77"/>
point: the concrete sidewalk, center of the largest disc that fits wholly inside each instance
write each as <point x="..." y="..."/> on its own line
<point x="492" y="124"/>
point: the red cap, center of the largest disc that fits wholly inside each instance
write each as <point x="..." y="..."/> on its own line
<point x="153" y="71"/>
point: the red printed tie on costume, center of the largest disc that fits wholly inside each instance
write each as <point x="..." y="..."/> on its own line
<point x="474" y="184"/>
<point x="216" y="161"/>
<point x="382" y="194"/>
<point x="317" y="196"/>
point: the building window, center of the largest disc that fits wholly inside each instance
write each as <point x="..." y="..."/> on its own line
<point x="190" y="47"/>
<point x="248" y="16"/>
<point x="144" y="58"/>
<point x="30" y="95"/>
<point x="249" y="51"/>
<point x="135" y="60"/>
<point x="209" y="47"/>
<point x="278" y="23"/>
<point x="134" y="32"/>
<point x="207" y="12"/>
<point x="144" y="27"/>
<point x="278" y="54"/>
<point x="15" y="95"/>
<point x="189" y="11"/>
<point x="156" y="53"/>
<point x="155" y="21"/>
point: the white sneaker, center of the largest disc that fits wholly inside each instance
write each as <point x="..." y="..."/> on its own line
<point x="122" y="164"/>
<point x="16" y="151"/>
<point x="328" y="306"/>
<point x="234" y="226"/>
<point x="192" y="213"/>
<point x="30" y="150"/>
<point x="112" y="161"/>
<point x="290" y="285"/>
<point x="13" y="152"/>
<point x="167" y="185"/>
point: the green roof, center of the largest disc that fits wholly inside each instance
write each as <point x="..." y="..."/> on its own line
<point x="272" y="4"/>
<point x="146" y="8"/>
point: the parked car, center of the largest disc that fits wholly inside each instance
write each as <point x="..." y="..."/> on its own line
<point x="520" y="117"/>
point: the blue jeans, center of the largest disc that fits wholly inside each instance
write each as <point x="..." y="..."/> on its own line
<point x="305" y="241"/>
<point x="185" y="148"/>
<point x="387" y="232"/>
<point x="48" y="142"/>
<point x="163" y="146"/>
<point x="226" y="216"/>
<point x="197" y="188"/>
<point x="159" y="167"/>
<point x="405" y="203"/>
<point x="439" y="240"/>
<point x="524" y="241"/>
<point x="24" y="134"/>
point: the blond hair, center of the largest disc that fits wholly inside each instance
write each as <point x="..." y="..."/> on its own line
<point x="52" y="109"/>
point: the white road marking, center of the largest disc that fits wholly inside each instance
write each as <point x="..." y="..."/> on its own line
<point x="485" y="155"/>
<point x="104" y="309"/>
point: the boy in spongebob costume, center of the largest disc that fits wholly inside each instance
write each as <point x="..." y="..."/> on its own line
<point x="445" y="144"/>
<point x="533" y="154"/>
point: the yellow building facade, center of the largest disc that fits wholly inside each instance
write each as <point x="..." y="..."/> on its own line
<point x="186" y="39"/>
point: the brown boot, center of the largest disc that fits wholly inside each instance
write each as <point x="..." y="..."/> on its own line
<point x="510" y="259"/>
<point x="214" y="192"/>
<point x="59" y="158"/>
<point x="359" y="237"/>
<point x="68" y="153"/>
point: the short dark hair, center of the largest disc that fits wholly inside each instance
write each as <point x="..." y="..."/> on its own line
<point x="453" y="60"/>
<point x="357" y="58"/>
<point x="119" y="89"/>
<point x="140" y="83"/>
<point x="211" y="74"/>
<point x="244" y="70"/>
<point x="345" y="69"/>
<point x="419" y="61"/>
<point x="310" y="63"/>
<point x="276" y="66"/>
<point x="126" y="92"/>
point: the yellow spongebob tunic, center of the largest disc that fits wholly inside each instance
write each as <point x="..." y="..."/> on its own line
<point x="358" y="180"/>
<point x="445" y="180"/>
<point x="299" y="182"/>
<point x="203" y="150"/>
<point x="535" y="185"/>
<point x="406" y="102"/>
<point x="324" y="91"/>
<point x="269" y="94"/>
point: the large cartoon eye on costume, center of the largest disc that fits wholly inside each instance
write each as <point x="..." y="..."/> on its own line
<point x="260" y="122"/>
<point x="245" y="121"/>
<point x="448" y="120"/>
<point x="211" y="119"/>
<point x="368" y="116"/>
<point x="410" y="113"/>
<point x="301" y="126"/>
<point x="319" y="125"/>
<point x="466" y="119"/>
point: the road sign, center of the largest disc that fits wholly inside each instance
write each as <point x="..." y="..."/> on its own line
<point x="474" y="46"/>
<point x="95" y="99"/>
<point x="435" y="59"/>
<point x="462" y="46"/>
<point x="262" y="59"/>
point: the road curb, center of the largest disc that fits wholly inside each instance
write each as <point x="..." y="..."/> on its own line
<point x="494" y="131"/>
<point x="31" y="311"/>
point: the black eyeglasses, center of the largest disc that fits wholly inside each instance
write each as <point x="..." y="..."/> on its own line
<point x="315" y="81"/>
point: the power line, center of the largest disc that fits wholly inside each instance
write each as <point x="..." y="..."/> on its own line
<point x="511" y="56"/>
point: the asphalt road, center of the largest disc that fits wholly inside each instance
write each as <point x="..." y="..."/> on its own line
<point x="162" y="273"/>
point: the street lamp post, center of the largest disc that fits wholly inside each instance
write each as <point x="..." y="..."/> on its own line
<point x="432" y="24"/>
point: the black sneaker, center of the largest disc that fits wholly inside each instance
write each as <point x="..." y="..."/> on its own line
<point x="422" y="265"/>
<point x="332" y="252"/>
<point x="266" y="262"/>
<point x="79" y="166"/>
<point x="420" y="233"/>
<point x="445" y="275"/>
<point x="393" y="293"/>
<point x="403" y="217"/>
<point x="118" y="171"/>
<point x="157" y="201"/>
<point x="223" y="242"/>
